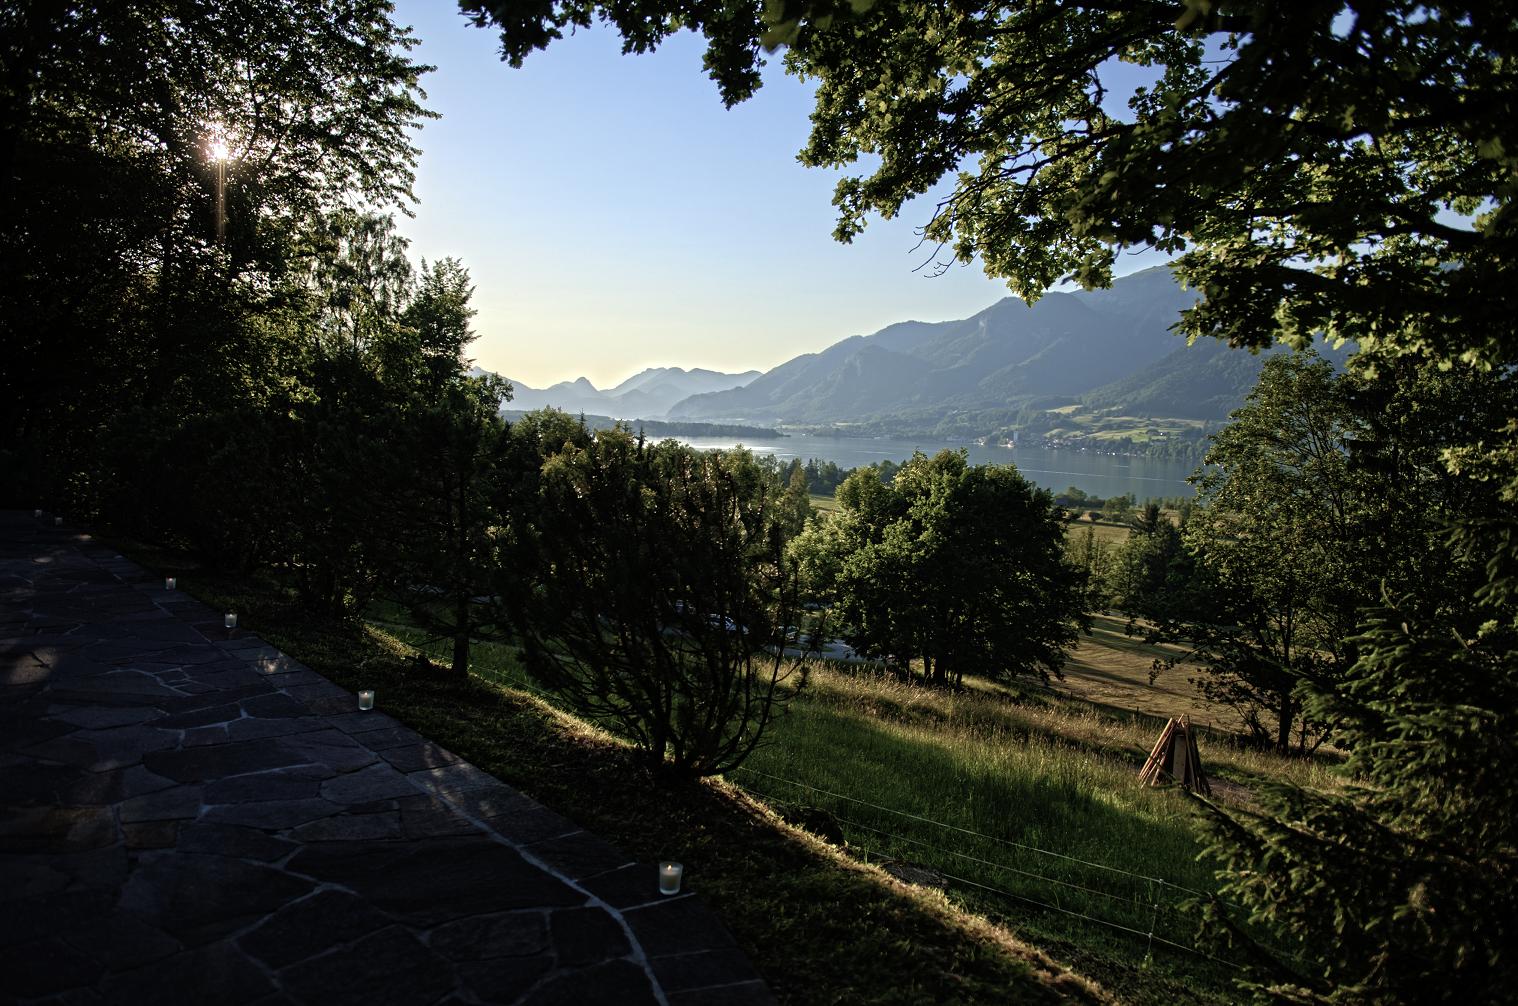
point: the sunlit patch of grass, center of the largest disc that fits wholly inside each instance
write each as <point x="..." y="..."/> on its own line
<point x="826" y="504"/>
<point x="1003" y="785"/>
<point x="1110" y="534"/>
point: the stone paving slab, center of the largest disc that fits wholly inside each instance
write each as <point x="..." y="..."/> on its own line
<point x="188" y="815"/>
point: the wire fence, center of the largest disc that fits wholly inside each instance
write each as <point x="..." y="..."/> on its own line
<point x="1144" y="913"/>
<point x="1160" y="881"/>
<point x="1138" y="916"/>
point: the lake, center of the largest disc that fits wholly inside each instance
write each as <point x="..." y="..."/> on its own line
<point x="1097" y="474"/>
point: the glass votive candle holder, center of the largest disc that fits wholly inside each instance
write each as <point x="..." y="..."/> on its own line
<point x="36" y="513"/>
<point x="366" y="699"/>
<point x="230" y="621"/>
<point x="169" y="583"/>
<point x="57" y="522"/>
<point x="669" y="877"/>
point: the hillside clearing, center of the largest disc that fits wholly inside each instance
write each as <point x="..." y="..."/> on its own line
<point x="933" y="784"/>
<point x="1111" y="669"/>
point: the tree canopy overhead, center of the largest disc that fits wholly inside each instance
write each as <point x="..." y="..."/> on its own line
<point x="119" y="289"/>
<point x="1321" y="166"/>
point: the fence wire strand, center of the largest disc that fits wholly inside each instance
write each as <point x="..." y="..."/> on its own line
<point x="1148" y="935"/>
<point x="1010" y="869"/>
<point x="967" y="831"/>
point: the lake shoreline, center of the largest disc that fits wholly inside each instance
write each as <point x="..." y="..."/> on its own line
<point x="1093" y="472"/>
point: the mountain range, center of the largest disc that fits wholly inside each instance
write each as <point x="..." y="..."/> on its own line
<point x="1111" y="349"/>
<point x="648" y="394"/>
<point x="1112" y="344"/>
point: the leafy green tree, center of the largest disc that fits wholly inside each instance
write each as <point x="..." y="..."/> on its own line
<point x="1400" y="887"/>
<point x="845" y="562"/>
<point x="538" y="436"/>
<point x="353" y="294"/>
<point x="961" y="566"/>
<point x="1119" y="508"/>
<point x="1095" y="559"/>
<point x="796" y="504"/>
<point x="440" y="517"/>
<point x="438" y="537"/>
<point x="1152" y="575"/>
<point x="1149" y="519"/>
<point x="1324" y="492"/>
<point x="1278" y="587"/>
<point x="120" y="302"/>
<point x="655" y="595"/>
<point x="823" y="477"/>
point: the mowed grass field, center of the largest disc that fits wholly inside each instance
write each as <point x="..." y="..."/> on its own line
<point x="1024" y="805"/>
<point x="1078" y="421"/>
<point x="1111" y="669"/>
<point x="826" y="504"/>
<point x="1112" y="535"/>
<point x="1018" y="811"/>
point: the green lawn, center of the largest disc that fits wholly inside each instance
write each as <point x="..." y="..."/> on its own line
<point x="1106" y="532"/>
<point x="827" y="504"/>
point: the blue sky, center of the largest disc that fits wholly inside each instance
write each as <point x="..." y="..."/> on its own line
<point x="614" y="216"/>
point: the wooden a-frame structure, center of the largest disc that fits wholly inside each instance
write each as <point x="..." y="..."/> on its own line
<point x="1175" y="759"/>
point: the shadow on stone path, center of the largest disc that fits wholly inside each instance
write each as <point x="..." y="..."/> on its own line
<point x="188" y="815"/>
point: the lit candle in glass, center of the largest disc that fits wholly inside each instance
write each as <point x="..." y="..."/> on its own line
<point x="231" y="620"/>
<point x="366" y="699"/>
<point x="169" y="583"/>
<point x="669" y="877"/>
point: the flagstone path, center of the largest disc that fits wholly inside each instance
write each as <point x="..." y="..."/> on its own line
<point x="188" y="815"/>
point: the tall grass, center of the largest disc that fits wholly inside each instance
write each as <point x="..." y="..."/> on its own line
<point x="1024" y="808"/>
<point x="1031" y="815"/>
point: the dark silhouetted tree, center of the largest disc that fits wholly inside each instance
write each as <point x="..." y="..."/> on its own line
<point x="655" y="595"/>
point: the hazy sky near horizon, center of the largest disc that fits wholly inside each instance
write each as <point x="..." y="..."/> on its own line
<point x="614" y="216"/>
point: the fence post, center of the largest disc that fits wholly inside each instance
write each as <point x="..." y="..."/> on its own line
<point x="1154" y="921"/>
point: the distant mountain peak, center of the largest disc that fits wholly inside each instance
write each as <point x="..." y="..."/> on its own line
<point x="646" y="395"/>
<point x="998" y="359"/>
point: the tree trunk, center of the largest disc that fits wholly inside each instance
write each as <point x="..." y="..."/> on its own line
<point x="1286" y="714"/>
<point x="461" y="570"/>
<point x="461" y="636"/>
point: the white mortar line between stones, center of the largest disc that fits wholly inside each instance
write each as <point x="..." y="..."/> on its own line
<point x="638" y="955"/>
